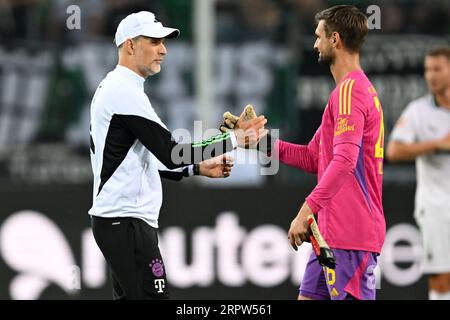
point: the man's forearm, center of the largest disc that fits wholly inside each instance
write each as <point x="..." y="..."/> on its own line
<point x="160" y="142"/>
<point x="297" y="156"/>
<point x="341" y="167"/>
<point x="399" y="151"/>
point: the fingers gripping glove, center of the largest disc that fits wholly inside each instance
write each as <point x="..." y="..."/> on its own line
<point x="230" y="120"/>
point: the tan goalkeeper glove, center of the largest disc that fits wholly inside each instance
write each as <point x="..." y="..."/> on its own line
<point x="230" y="120"/>
<point x="323" y="252"/>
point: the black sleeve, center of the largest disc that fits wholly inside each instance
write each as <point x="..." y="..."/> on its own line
<point x="178" y="175"/>
<point x="174" y="175"/>
<point x="173" y="155"/>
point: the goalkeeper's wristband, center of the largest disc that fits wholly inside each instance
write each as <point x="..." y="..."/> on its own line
<point x="196" y="169"/>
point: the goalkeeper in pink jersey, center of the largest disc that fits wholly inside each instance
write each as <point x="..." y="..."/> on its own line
<point x="346" y="152"/>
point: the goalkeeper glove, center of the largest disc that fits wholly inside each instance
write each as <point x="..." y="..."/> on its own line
<point x="230" y="120"/>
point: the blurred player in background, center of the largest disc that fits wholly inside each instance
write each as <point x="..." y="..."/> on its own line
<point x="423" y="133"/>
<point x="131" y="149"/>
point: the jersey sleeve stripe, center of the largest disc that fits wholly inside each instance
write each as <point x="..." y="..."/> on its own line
<point x="340" y="97"/>
<point x="349" y="99"/>
<point x="344" y="108"/>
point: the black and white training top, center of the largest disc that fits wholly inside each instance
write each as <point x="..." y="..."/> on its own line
<point x="131" y="149"/>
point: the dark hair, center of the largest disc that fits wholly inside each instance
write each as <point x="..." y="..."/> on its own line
<point x="348" y="21"/>
<point x="441" y="51"/>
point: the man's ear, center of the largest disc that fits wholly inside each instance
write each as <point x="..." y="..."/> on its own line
<point x="129" y="46"/>
<point x="335" y="37"/>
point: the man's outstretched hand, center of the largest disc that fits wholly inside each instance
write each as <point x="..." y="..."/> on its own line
<point x="218" y="167"/>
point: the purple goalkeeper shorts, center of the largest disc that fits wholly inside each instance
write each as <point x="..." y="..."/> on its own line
<point x="353" y="277"/>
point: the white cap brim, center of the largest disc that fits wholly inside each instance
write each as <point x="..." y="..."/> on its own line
<point x="159" y="33"/>
<point x="162" y="33"/>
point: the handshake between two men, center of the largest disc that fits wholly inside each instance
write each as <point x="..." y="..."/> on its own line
<point x="248" y="129"/>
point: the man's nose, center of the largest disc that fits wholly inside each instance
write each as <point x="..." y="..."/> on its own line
<point x="163" y="49"/>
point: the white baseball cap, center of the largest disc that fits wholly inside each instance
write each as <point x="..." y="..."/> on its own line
<point x="142" y="23"/>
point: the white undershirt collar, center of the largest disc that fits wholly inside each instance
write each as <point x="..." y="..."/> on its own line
<point x="131" y="75"/>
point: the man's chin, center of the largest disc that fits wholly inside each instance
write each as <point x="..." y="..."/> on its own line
<point x="323" y="61"/>
<point x="157" y="68"/>
<point x="437" y="90"/>
<point x="154" y="70"/>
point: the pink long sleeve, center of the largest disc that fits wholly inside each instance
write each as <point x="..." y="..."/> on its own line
<point x="302" y="157"/>
<point x="340" y="169"/>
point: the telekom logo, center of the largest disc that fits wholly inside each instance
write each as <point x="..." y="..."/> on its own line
<point x="160" y="285"/>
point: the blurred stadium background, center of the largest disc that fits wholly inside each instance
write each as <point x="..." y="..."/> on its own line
<point x="229" y="240"/>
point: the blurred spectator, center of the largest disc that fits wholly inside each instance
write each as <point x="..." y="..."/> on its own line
<point x="392" y="17"/>
<point x="305" y="11"/>
<point x="22" y="20"/>
<point x="428" y="19"/>
<point x="261" y="18"/>
<point x="228" y="22"/>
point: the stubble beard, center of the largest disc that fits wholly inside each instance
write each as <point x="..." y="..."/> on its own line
<point x="326" y="58"/>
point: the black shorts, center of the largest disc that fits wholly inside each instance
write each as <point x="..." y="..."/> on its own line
<point x="130" y="247"/>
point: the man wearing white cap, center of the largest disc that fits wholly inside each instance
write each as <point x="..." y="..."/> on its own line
<point x="131" y="149"/>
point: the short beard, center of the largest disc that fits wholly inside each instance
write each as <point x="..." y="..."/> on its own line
<point x="327" y="59"/>
<point x="439" y="91"/>
<point x="145" y="71"/>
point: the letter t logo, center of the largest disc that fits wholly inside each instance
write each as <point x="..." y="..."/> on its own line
<point x="159" y="284"/>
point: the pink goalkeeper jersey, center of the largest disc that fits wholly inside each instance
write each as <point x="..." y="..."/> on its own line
<point x="347" y="154"/>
